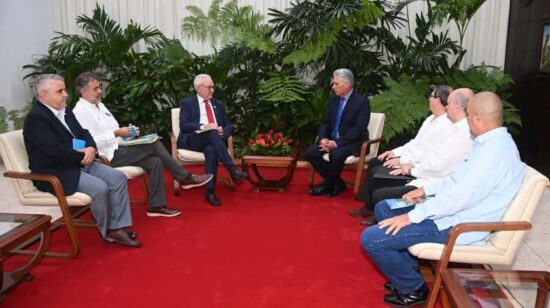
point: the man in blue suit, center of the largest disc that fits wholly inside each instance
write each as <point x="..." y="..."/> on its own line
<point x="50" y="133"/>
<point x="205" y="127"/>
<point x="343" y="130"/>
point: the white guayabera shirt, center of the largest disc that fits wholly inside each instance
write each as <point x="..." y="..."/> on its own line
<point x="101" y="124"/>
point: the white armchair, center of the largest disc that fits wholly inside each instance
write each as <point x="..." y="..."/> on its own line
<point x="501" y="246"/>
<point x="14" y="155"/>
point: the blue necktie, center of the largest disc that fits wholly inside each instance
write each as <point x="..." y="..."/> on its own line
<point x="335" y="134"/>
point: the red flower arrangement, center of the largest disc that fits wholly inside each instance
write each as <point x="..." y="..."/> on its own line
<point x="271" y="144"/>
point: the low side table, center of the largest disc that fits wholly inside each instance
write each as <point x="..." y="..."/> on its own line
<point x="269" y="161"/>
<point x="479" y="288"/>
<point x="16" y="229"/>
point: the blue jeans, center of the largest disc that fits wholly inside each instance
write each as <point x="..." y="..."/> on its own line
<point x="390" y="253"/>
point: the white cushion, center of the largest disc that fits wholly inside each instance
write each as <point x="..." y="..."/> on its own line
<point x="131" y="171"/>
<point x="43" y="198"/>
<point x="190" y="156"/>
<point x="14" y="155"/>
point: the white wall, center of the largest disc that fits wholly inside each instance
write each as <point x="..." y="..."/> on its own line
<point x="25" y="31"/>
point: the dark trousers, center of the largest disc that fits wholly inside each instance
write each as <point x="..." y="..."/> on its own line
<point x="329" y="170"/>
<point x="214" y="147"/>
<point x="153" y="158"/>
<point x="390" y="188"/>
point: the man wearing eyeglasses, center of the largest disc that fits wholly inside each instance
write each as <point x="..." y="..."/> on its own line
<point x="432" y="132"/>
<point x="205" y="127"/>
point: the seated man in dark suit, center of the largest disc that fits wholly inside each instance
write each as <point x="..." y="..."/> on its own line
<point x="205" y="127"/>
<point x="50" y="130"/>
<point x="343" y="130"/>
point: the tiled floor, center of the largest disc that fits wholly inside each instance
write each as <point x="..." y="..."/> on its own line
<point x="534" y="253"/>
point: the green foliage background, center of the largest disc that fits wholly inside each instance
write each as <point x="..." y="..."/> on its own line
<point x="276" y="74"/>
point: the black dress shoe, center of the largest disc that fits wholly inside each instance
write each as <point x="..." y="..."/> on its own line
<point x="238" y="176"/>
<point x="318" y="190"/>
<point x="417" y="297"/>
<point x="389" y="287"/>
<point x="212" y="199"/>
<point x="335" y="191"/>
<point x="368" y="222"/>
<point x="121" y="237"/>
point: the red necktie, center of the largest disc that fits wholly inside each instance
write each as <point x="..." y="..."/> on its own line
<point x="209" y="114"/>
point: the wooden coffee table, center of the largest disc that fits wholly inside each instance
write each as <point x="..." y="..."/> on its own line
<point x="16" y="229"/>
<point x="259" y="181"/>
<point x="481" y="288"/>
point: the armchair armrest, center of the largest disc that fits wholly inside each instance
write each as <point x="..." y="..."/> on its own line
<point x="52" y="179"/>
<point x="174" y="146"/>
<point x="449" y="246"/>
<point x="477" y="226"/>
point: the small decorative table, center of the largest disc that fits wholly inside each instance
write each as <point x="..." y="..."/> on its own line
<point x="16" y="229"/>
<point x="481" y="288"/>
<point x="259" y="182"/>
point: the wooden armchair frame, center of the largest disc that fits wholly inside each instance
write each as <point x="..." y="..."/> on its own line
<point x="442" y="264"/>
<point x="69" y="217"/>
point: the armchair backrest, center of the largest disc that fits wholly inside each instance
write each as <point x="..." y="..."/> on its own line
<point x="175" y="116"/>
<point x="376" y="126"/>
<point x="14" y="155"/>
<point x="522" y="208"/>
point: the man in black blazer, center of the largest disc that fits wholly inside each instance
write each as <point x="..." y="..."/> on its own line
<point x="343" y="130"/>
<point x="205" y="127"/>
<point x="56" y="144"/>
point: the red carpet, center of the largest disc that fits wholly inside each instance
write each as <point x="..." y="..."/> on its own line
<point x="265" y="249"/>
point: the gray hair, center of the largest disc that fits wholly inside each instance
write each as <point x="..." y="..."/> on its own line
<point x="346" y="74"/>
<point x="198" y="80"/>
<point x="462" y="96"/>
<point x="39" y="84"/>
<point x="442" y="92"/>
<point x="82" y="81"/>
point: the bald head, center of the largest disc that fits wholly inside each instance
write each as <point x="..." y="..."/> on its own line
<point x="485" y="112"/>
<point x="457" y="101"/>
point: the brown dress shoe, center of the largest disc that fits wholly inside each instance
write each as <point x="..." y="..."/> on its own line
<point x="131" y="234"/>
<point x="121" y="237"/>
<point x="362" y="212"/>
<point x="162" y="212"/>
<point x="369" y="221"/>
<point x="196" y="180"/>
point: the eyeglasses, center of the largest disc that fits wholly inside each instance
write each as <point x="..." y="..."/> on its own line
<point x="208" y="87"/>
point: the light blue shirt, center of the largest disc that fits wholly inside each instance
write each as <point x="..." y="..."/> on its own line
<point x="480" y="189"/>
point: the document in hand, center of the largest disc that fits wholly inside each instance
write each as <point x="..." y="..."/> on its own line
<point x="384" y="174"/>
<point x="400" y="203"/>
<point x="199" y="131"/>
<point x="141" y="140"/>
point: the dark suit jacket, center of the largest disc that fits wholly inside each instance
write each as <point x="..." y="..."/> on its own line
<point x="50" y="147"/>
<point x="190" y="117"/>
<point x="353" y="124"/>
